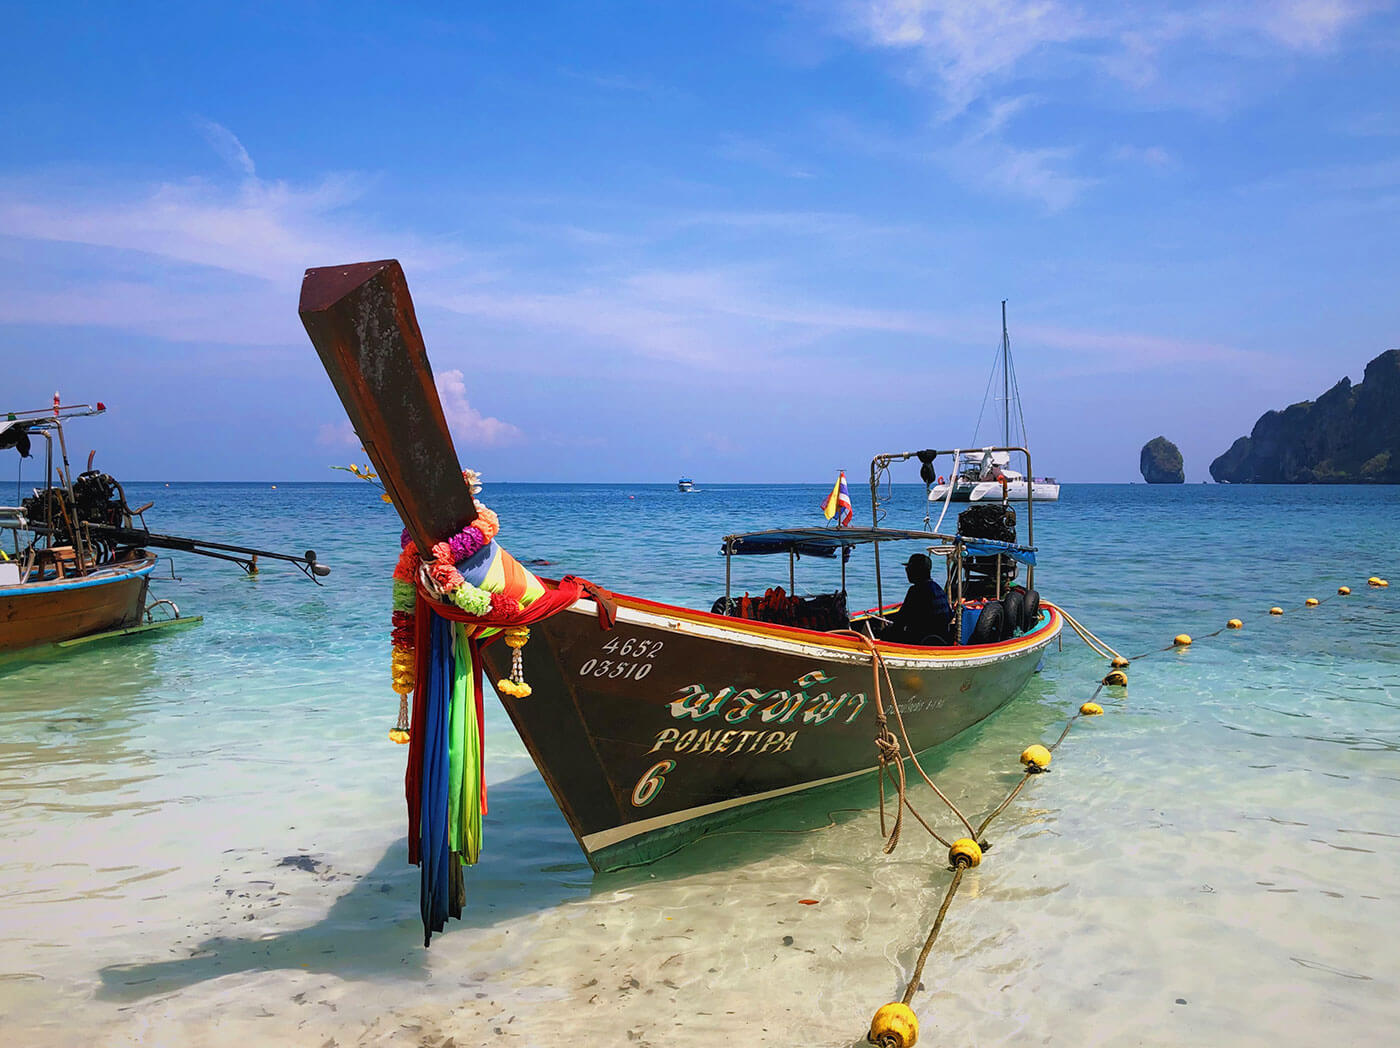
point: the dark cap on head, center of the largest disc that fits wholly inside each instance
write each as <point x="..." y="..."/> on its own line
<point x="920" y="565"/>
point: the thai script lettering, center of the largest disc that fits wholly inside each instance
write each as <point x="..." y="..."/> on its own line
<point x="779" y="706"/>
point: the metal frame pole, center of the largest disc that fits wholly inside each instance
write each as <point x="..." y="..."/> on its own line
<point x="728" y="562"/>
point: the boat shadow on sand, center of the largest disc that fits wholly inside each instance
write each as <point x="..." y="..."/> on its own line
<point x="532" y="864"/>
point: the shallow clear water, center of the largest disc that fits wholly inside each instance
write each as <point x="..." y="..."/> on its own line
<point x="203" y="834"/>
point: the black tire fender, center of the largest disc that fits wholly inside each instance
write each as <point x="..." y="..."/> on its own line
<point x="1013" y="611"/>
<point x="988" y="628"/>
<point x="1030" y="613"/>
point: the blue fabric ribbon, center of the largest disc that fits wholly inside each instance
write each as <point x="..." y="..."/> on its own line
<point x="435" y="869"/>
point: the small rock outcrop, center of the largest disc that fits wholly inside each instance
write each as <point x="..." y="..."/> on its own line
<point x="1349" y="435"/>
<point x="1161" y="462"/>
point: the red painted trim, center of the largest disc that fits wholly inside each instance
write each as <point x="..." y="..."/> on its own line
<point x="795" y="633"/>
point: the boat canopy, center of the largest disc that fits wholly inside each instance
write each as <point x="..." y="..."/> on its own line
<point x="824" y="542"/>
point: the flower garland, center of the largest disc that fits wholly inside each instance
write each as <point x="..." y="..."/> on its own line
<point x="440" y="576"/>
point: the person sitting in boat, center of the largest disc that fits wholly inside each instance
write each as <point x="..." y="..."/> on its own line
<point x="925" y="617"/>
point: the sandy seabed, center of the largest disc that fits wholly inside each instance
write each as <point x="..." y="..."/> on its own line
<point x="1096" y="921"/>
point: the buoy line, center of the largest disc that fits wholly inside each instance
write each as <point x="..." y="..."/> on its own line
<point x="1184" y="640"/>
<point x="895" y="1025"/>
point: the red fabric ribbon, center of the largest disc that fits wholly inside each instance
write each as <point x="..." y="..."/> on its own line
<point x="565" y="592"/>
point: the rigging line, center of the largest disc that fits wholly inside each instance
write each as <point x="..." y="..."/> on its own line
<point x="977" y="430"/>
<point x="1020" y="411"/>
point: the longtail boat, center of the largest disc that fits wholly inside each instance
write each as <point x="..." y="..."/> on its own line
<point x="649" y="722"/>
<point x="79" y="565"/>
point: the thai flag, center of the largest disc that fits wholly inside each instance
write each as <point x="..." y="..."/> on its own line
<point x="839" y="501"/>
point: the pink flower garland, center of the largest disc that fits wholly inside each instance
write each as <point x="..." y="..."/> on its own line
<point x="442" y="569"/>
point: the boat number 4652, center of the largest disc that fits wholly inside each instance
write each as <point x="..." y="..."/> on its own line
<point x="628" y="664"/>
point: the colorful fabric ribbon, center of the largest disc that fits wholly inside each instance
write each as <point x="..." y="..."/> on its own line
<point x="445" y="611"/>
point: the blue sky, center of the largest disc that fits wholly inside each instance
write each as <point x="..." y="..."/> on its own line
<point x="740" y="241"/>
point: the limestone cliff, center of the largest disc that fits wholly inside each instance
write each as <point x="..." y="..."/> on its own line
<point x="1161" y="462"/>
<point x="1349" y="435"/>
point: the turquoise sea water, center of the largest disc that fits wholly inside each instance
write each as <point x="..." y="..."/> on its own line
<point x="203" y="835"/>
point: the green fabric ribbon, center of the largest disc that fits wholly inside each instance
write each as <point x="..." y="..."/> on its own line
<point x="464" y="755"/>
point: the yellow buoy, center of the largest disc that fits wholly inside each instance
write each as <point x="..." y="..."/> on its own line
<point x="1343" y="590"/>
<point x="1275" y="610"/>
<point x="1182" y="640"/>
<point x="965" y="852"/>
<point x="1234" y="624"/>
<point x="1116" y="679"/>
<point x="1311" y="602"/>
<point x="1382" y="583"/>
<point x="1373" y="581"/>
<point x="1091" y="709"/>
<point x="1119" y="663"/>
<point x="1037" y="757"/>
<point x="894" y="1024"/>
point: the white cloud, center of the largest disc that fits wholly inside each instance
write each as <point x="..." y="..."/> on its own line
<point x="1147" y="156"/>
<point x="227" y="145"/>
<point x="271" y="230"/>
<point x="468" y="425"/>
<point x="1102" y="352"/>
<point x="967" y="45"/>
<point x="971" y="53"/>
<point x="1311" y="25"/>
<point x="970" y="47"/>
<point x="337" y="435"/>
<point x="765" y="157"/>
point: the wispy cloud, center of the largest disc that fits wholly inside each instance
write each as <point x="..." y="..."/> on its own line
<point x="337" y="435"/>
<point x="258" y="228"/>
<point x="227" y="145"/>
<point x="468" y="425"/>
<point x="966" y="46"/>
<point x="976" y="58"/>
<point x="1100" y="352"/>
<point x="1146" y="156"/>
<point x="761" y="155"/>
<point x="197" y="261"/>
<point x="969" y="49"/>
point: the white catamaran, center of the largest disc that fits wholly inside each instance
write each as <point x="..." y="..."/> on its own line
<point x="981" y="474"/>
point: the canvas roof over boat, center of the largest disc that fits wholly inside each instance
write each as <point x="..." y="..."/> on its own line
<point x="824" y="542"/>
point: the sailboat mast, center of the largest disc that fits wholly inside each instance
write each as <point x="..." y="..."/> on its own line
<point x="1005" y="380"/>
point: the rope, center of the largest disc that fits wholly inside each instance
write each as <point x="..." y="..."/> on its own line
<point x="917" y="977"/>
<point x="914" y="980"/>
<point x="887" y="745"/>
<point x="962" y="862"/>
<point x="1089" y="638"/>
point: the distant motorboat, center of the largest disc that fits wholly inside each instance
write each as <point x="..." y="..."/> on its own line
<point x="685" y="484"/>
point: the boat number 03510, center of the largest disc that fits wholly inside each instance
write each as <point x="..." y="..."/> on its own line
<point x="623" y="668"/>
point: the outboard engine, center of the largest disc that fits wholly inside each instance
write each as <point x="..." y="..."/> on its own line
<point x="987" y="521"/>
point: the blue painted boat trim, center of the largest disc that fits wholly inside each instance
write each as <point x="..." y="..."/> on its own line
<point x="49" y="587"/>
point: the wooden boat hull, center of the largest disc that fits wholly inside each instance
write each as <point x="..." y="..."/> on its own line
<point x="651" y="733"/>
<point x="38" y="613"/>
